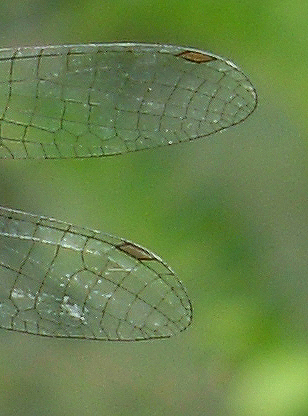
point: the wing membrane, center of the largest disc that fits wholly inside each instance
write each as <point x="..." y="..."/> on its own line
<point x="105" y="99"/>
<point x="64" y="281"/>
<point x="96" y="100"/>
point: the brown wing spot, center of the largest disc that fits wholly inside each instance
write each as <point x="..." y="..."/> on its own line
<point x="138" y="252"/>
<point x="197" y="57"/>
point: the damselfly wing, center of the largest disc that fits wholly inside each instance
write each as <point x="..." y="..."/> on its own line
<point x="91" y="101"/>
<point x="66" y="281"/>
<point x="105" y="99"/>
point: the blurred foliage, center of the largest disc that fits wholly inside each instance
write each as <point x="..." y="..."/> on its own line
<point x="229" y="213"/>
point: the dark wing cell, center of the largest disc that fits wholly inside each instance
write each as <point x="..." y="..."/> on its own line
<point x="64" y="281"/>
<point x="105" y="99"/>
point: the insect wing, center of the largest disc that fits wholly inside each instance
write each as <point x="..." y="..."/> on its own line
<point x="104" y="99"/>
<point x="63" y="281"/>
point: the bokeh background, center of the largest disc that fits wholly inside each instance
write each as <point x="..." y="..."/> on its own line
<point x="229" y="213"/>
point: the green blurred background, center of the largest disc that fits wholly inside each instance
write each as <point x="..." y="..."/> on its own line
<point x="229" y="213"/>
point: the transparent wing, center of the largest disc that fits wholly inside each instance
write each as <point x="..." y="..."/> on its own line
<point x="103" y="99"/>
<point x="63" y="281"/>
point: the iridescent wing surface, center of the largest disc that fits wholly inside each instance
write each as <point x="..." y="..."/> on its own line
<point x="104" y="99"/>
<point x="64" y="281"/>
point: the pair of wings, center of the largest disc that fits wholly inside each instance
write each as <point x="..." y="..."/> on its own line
<point x="97" y="100"/>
